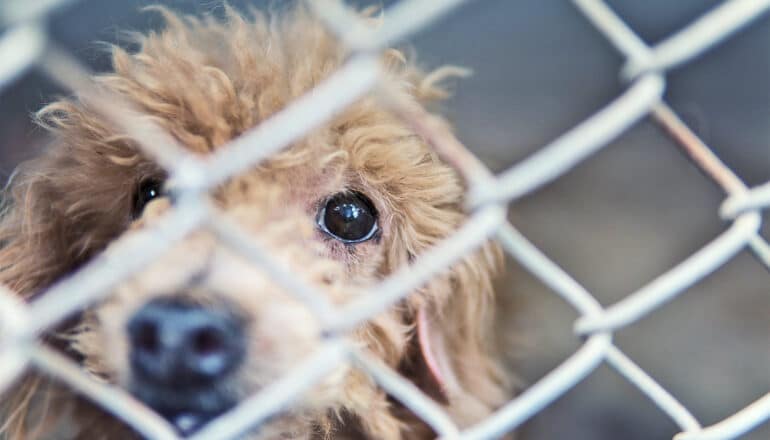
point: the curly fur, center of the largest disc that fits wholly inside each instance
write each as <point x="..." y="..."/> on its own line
<point x="206" y="81"/>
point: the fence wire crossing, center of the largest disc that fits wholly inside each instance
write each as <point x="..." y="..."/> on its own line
<point x="26" y="44"/>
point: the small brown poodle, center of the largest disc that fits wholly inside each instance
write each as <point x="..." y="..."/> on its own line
<point x="201" y="329"/>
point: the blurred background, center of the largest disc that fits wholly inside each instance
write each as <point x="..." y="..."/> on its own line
<point x="615" y="222"/>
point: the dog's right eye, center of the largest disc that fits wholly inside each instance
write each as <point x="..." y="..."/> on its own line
<point x="349" y="217"/>
<point x="148" y="190"/>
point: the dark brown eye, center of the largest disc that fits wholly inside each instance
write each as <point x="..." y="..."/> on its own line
<point x="148" y="190"/>
<point x="349" y="217"/>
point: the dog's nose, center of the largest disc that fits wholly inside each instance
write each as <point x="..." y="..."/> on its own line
<point x="183" y="345"/>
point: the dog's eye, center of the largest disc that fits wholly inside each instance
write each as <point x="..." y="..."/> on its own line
<point x="349" y="217"/>
<point x="149" y="189"/>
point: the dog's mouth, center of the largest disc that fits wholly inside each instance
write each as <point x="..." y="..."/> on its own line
<point x="187" y="410"/>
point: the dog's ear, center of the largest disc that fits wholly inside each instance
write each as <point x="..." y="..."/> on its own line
<point x="454" y="333"/>
<point x="57" y="211"/>
<point x="29" y="238"/>
<point x="441" y="380"/>
<point x="66" y="204"/>
<point x="29" y="245"/>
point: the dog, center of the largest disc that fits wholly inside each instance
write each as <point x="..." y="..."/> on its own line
<point x="200" y="329"/>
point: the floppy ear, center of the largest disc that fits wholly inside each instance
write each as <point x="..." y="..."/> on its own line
<point x="441" y="379"/>
<point x="29" y="238"/>
<point x="66" y="204"/>
<point x="454" y="332"/>
<point x="48" y="206"/>
<point x="31" y="243"/>
<point x="23" y="271"/>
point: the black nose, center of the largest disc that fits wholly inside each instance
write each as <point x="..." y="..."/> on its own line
<point x="183" y="345"/>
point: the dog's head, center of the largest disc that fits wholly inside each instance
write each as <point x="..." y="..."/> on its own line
<point x="202" y="328"/>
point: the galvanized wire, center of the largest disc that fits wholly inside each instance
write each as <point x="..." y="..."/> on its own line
<point x="26" y="44"/>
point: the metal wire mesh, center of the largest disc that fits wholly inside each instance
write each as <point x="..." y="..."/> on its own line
<point x="27" y="45"/>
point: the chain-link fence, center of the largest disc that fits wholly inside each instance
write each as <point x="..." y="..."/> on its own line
<point x="26" y="45"/>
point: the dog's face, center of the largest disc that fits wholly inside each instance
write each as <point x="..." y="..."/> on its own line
<point x="202" y="328"/>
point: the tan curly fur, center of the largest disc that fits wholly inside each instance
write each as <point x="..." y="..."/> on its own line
<point x="206" y="81"/>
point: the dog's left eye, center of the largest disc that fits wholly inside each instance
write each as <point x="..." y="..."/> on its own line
<point x="148" y="190"/>
<point x="349" y="217"/>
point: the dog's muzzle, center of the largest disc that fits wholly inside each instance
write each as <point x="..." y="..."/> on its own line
<point x="180" y="356"/>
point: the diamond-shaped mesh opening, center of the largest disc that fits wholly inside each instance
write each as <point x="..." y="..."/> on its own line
<point x="648" y="225"/>
<point x="501" y="114"/>
<point x="587" y="412"/>
<point x="689" y="357"/>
